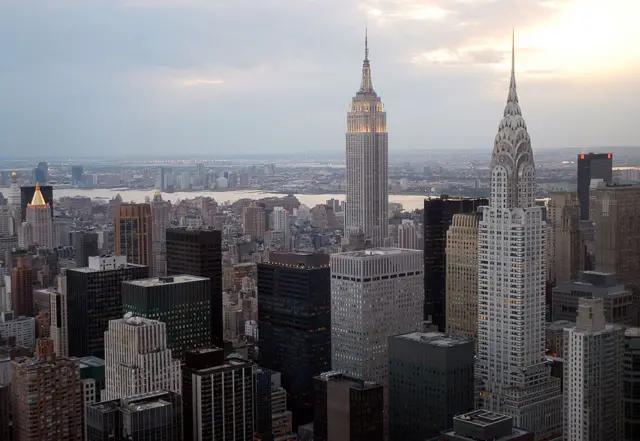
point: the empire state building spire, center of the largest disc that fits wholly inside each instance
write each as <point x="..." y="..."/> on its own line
<point x="366" y="85"/>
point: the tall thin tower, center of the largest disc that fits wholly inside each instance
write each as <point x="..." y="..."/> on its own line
<point x="511" y="286"/>
<point x="367" y="194"/>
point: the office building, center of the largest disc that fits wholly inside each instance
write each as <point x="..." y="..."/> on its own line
<point x="482" y="425"/>
<point x="431" y="380"/>
<point x="462" y="276"/>
<point x="253" y="221"/>
<point x="593" y="382"/>
<point x="272" y="420"/>
<point x="295" y="340"/>
<point x="618" y="301"/>
<point x="347" y="408"/>
<point x="21" y="329"/>
<point x="22" y="288"/>
<point x="182" y="302"/>
<point x="137" y="360"/>
<point x="133" y="233"/>
<point x="367" y="172"/>
<point x="25" y="195"/>
<point x="160" y="223"/>
<point x="631" y="380"/>
<point x="92" y="373"/>
<point x="46" y="396"/>
<point x="565" y="253"/>
<point x="93" y="298"/>
<point x="592" y="166"/>
<point x="77" y="175"/>
<point x="210" y="414"/>
<point x="408" y="236"/>
<point x="45" y="169"/>
<point x="514" y="376"/>
<point x="37" y="176"/>
<point x="438" y="215"/>
<point x="59" y="328"/>
<point x="37" y="230"/>
<point x="5" y="412"/>
<point x="199" y="252"/>
<point x="156" y="416"/>
<point x="85" y="244"/>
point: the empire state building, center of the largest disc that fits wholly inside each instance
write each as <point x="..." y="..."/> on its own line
<point x="514" y="375"/>
<point x="367" y="195"/>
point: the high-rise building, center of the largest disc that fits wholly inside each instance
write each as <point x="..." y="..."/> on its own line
<point x="295" y="340"/>
<point x="37" y="176"/>
<point x="462" y="276"/>
<point x="514" y="375"/>
<point x="431" y="380"/>
<point x="156" y="416"/>
<point x="253" y="221"/>
<point x="618" y="301"/>
<point x="46" y="397"/>
<point x="137" y="360"/>
<point x="160" y="216"/>
<point x="347" y="408"/>
<point x="182" y="302"/>
<point x="210" y="413"/>
<point x="133" y="233"/>
<point x="593" y="384"/>
<point x="26" y="194"/>
<point x="592" y="166"/>
<point x="375" y="294"/>
<point x="38" y="227"/>
<point x="22" y="330"/>
<point x="367" y="180"/>
<point x="59" y="329"/>
<point x="565" y="253"/>
<point x="631" y="379"/>
<point x="408" y="236"/>
<point x="22" y="288"/>
<point x="438" y="215"/>
<point x="272" y="420"/>
<point x="5" y="412"/>
<point x="199" y="252"/>
<point x="77" y="175"/>
<point x="93" y="298"/>
<point x="86" y="245"/>
<point x="481" y="425"/>
<point x="45" y="169"/>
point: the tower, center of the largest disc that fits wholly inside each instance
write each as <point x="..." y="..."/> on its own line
<point x="367" y="194"/>
<point x="38" y="229"/>
<point x="511" y="363"/>
<point x="160" y="222"/>
<point x="133" y="233"/>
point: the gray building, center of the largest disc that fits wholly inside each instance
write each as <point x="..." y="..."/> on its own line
<point x="151" y="417"/>
<point x="85" y="244"/>
<point x="631" y="382"/>
<point x="618" y="301"/>
<point x="431" y="379"/>
<point x="482" y="425"/>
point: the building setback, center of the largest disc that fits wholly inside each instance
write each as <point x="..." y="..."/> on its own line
<point x="217" y="396"/>
<point x="565" y="250"/>
<point x="182" y="302"/>
<point x="198" y="252"/>
<point x="93" y="298"/>
<point x="156" y="416"/>
<point x="347" y="409"/>
<point x="294" y="324"/>
<point x="431" y="380"/>
<point x="438" y="215"/>
<point x="133" y="233"/>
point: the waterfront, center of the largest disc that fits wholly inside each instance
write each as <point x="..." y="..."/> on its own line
<point x="409" y="202"/>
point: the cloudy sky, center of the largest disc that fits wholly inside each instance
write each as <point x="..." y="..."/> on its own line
<point x="83" y="77"/>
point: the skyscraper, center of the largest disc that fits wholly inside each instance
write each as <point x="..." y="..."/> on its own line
<point x="367" y="193"/>
<point x="511" y="361"/>
<point x="593" y="357"/>
<point x="253" y="221"/>
<point x="199" y="252"/>
<point x="160" y="217"/>
<point x="295" y="340"/>
<point x="133" y="233"/>
<point x="592" y="166"/>
<point x="137" y="360"/>
<point x="86" y="245"/>
<point x="631" y="375"/>
<point x="438" y="214"/>
<point x="26" y="194"/>
<point x="77" y="175"/>
<point x="38" y="227"/>
<point x="22" y="288"/>
<point x="564" y="245"/>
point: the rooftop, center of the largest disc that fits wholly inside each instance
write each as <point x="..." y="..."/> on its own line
<point x="339" y="377"/>
<point x="87" y="269"/>
<point x="434" y="339"/>
<point x="160" y="281"/>
<point x="372" y="252"/>
<point x="91" y="362"/>
<point x="482" y="418"/>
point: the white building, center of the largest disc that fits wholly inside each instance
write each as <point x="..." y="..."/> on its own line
<point x="367" y="194"/>
<point x="511" y="361"/>
<point x="107" y="262"/>
<point x="408" y="236"/>
<point x="375" y="294"/>
<point x="59" y="317"/>
<point x="137" y="360"/>
<point x="593" y="363"/>
<point x="22" y="328"/>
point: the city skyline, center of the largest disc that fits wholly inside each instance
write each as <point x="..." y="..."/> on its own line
<point x="120" y="79"/>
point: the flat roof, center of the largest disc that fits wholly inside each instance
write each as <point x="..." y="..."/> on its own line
<point x="371" y="252"/>
<point x="632" y="332"/>
<point x="92" y="361"/>
<point x="482" y="418"/>
<point x="170" y="280"/>
<point x="86" y="269"/>
<point x="434" y="339"/>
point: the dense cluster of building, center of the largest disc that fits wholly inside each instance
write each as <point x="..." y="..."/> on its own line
<point x="504" y="319"/>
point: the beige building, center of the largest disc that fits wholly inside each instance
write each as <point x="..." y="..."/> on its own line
<point x="253" y="221"/>
<point x="462" y="276"/>
<point x="133" y="236"/>
<point x="564" y="256"/>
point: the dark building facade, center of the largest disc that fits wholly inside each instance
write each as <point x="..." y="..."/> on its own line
<point x="85" y="244"/>
<point x="631" y="381"/>
<point x="430" y="381"/>
<point x="94" y="296"/>
<point x="294" y="324"/>
<point x="212" y="382"/>
<point x="199" y="252"/>
<point x="26" y="196"/>
<point x="437" y="218"/>
<point x="482" y="425"/>
<point x="592" y="166"/>
<point x="22" y="288"/>
<point x="347" y="409"/>
<point x="182" y="302"/>
<point x="5" y="412"/>
<point x="263" y="423"/>
<point x="151" y="417"/>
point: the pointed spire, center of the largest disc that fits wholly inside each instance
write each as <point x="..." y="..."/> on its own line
<point x="366" y="85"/>
<point x="512" y="100"/>
<point x="366" y="44"/>
<point x="38" y="199"/>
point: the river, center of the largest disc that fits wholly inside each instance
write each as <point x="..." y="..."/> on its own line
<point x="409" y="202"/>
